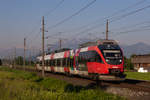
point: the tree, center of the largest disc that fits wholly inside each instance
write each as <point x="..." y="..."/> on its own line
<point x="19" y="60"/>
<point x="128" y="64"/>
<point x="133" y="55"/>
<point x="0" y="62"/>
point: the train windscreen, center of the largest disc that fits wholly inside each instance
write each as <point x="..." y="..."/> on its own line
<point x="111" y="53"/>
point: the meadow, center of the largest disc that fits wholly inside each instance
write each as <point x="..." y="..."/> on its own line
<point x="21" y="85"/>
<point x="138" y="76"/>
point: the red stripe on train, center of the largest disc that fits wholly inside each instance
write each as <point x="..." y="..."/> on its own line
<point x="66" y="69"/>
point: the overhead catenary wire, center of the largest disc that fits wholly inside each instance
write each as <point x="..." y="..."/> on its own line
<point x="134" y="25"/>
<point x="130" y="31"/>
<point x="126" y="9"/>
<point x="90" y="28"/>
<point x="140" y="28"/>
<point x="79" y="11"/>
<point x="46" y="14"/>
<point x="143" y="28"/>
<point x="108" y="17"/>
<point x="130" y="13"/>
<point x="74" y="14"/>
<point x="116" y="19"/>
<point x="141" y="1"/>
<point x="55" y="8"/>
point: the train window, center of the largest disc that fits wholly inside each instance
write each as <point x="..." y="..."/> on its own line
<point x="98" y="58"/>
<point x="93" y="56"/>
<point x="58" y="62"/>
<point x="64" y="62"/>
<point x="46" y="64"/>
<point x="40" y="63"/>
<point x="55" y="62"/>
<point x="79" y="59"/>
<point x="83" y="57"/>
<point x="71" y="62"/>
<point x="68" y="62"/>
<point x="37" y="62"/>
<point x="61" y="62"/>
<point x="50" y="63"/>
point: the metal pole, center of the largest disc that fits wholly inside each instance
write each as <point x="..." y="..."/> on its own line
<point x="60" y="41"/>
<point x="24" y="62"/>
<point x="30" y="58"/>
<point x="43" y="46"/>
<point x="15" y="58"/>
<point x="107" y="30"/>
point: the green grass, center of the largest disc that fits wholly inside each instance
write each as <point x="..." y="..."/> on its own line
<point x="139" y="76"/>
<point x="21" y="85"/>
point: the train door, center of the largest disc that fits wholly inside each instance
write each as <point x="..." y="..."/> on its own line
<point x="95" y="63"/>
<point x="82" y="61"/>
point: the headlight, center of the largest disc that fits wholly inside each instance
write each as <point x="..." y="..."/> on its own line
<point x="107" y="60"/>
<point x="120" y="60"/>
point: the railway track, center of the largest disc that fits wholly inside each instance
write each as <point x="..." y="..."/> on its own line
<point x="135" y="85"/>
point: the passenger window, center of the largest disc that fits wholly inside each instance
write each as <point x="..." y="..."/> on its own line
<point x="58" y="62"/>
<point x="64" y="62"/>
<point x="94" y="57"/>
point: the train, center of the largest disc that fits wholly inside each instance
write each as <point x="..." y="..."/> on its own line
<point x="101" y="59"/>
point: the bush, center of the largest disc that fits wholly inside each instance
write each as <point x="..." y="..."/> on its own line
<point x="0" y="62"/>
<point x="127" y="64"/>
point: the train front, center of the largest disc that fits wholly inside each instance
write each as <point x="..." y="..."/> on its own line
<point x="113" y="60"/>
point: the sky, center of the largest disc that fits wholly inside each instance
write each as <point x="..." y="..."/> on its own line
<point x="22" y="18"/>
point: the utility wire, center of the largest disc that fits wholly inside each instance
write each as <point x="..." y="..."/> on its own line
<point x="120" y="11"/>
<point x="55" y="8"/>
<point x="126" y="9"/>
<point x="109" y="17"/>
<point x="134" y="25"/>
<point x="143" y="28"/>
<point x="116" y="19"/>
<point x="70" y="17"/>
<point x="32" y="31"/>
<point x="46" y="14"/>
<point x="130" y="13"/>
<point x="130" y="31"/>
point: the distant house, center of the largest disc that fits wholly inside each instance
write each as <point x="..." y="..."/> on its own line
<point x="141" y="61"/>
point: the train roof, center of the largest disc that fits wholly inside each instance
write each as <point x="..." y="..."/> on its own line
<point x="59" y="50"/>
<point x="98" y="42"/>
<point x="83" y="46"/>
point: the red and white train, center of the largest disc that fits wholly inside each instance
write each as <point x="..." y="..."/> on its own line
<point x="102" y="59"/>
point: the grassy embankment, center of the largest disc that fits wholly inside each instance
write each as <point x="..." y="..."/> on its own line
<point x="20" y="85"/>
<point x="138" y="76"/>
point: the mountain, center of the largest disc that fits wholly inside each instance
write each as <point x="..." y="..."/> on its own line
<point x="19" y="52"/>
<point x="128" y="50"/>
<point x="138" y="48"/>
